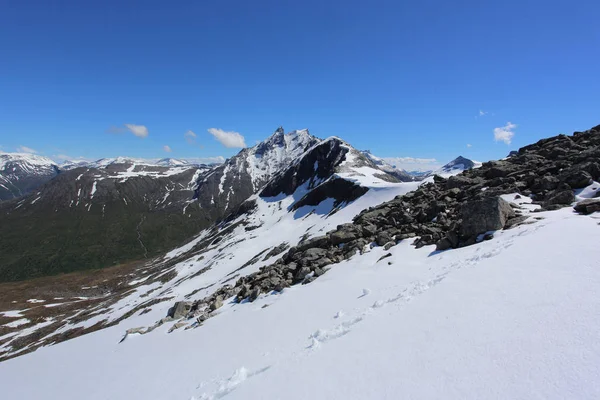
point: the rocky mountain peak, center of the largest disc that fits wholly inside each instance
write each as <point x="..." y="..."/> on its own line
<point x="459" y="163"/>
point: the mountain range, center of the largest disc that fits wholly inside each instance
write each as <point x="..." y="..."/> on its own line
<point x="88" y="215"/>
<point x="293" y="256"/>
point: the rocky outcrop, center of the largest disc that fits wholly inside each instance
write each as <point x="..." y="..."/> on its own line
<point x="450" y="213"/>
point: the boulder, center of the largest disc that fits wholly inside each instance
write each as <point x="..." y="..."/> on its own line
<point x="218" y="303"/>
<point x="578" y="179"/>
<point x="369" y="229"/>
<point x="180" y="309"/>
<point x="383" y="237"/>
<point x="301" y="274"/>
<point x="587" y="206"/>
<point x="254" y="294"/>
<point x="560" y="197"/>
<point x="448" y="242"/>
<point x="343" y="236"/>
<point x="319" y="241"/>
<point x="480" y="216"/>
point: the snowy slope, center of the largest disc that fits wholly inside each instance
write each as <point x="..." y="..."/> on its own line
<point x="241" y="245"/>
<point x="21" y="173"/>
<point x="508" y="318"/>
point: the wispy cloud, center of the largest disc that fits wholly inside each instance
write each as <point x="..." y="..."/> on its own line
<point x="229" y="139"/>
<point x="25" y="149"/>
<point x="413" y="164"/>
<point x="207" y="160"/>
<point x="138" y="130"/>
<point x="167" y="148"/>
<point x="190" y="137"/>
<point x="483" y="113"/>
<point x="469" y="145"/>
<point x="505" y="133"/>
<point x="66" y="157"/>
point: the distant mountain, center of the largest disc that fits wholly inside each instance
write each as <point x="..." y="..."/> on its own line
<point x="22" y="173"/>
<point x="455" y="167"/>
<point x="399" y="173"/>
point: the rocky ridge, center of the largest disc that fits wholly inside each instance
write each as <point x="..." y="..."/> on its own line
<point x="450" y="213"/>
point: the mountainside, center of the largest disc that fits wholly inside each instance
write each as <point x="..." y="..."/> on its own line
<point x="330" y="208"/>
<point x="325" y="185"/>
<point x="119" y="210"/>
<point x="21" y="174"/>
<point x="333" y="260"/>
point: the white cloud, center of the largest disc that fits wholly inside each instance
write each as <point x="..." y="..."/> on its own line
<point x="483" y="113"/>
<point x="469" y="145"/>
<point x="25" y="149"/>
<point x="504" y="133"/>
<point x="190" y="137"/>
<point x="207" y="160"/>
<point x="413" y="164"/>
<point x="167" y="148"/>
<point x="229" y="139"/>
<point x="64" y="157"/>
<point x="138" y="130"/>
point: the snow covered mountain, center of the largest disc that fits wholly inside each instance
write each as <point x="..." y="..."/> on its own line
<point x="21" y="173"/>
<point x="456" y="166"/>
<point x="336" y="280"/>
<point x="401" y="174"/>
<point x="140" y="209"/>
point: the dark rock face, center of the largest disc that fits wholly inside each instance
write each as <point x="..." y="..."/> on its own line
<point x="484" y="215"/>
<point x="313" y="168"/>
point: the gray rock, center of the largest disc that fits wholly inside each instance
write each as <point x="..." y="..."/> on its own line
<point x="560" y="197"/>
<point x="254" y="294"/>
<point x="180" y="309"/>
<point x="448" y="242"/>
<point x="343" y="236"/>
<point x="301" y="274"/>
<point x="369" y="229"/>
<point x="484" y="215"/>
<point x="383" y="237"/>
<point x="319" y="241"/>
<point x="177" y="325"/>
<point x="389" y="245"/>
<point x="140" y="330"/>
<point x="218" y="303"/>
<point x="587" y="206"/>
<point x="578" y="179"/>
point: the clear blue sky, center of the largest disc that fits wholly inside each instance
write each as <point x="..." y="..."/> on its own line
<point x="399" y="78"/>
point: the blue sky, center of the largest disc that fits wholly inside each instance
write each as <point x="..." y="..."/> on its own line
<point x="403" y="79"/>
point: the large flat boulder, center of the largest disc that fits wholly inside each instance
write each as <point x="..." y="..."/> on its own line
<point x="484" y="215"/>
